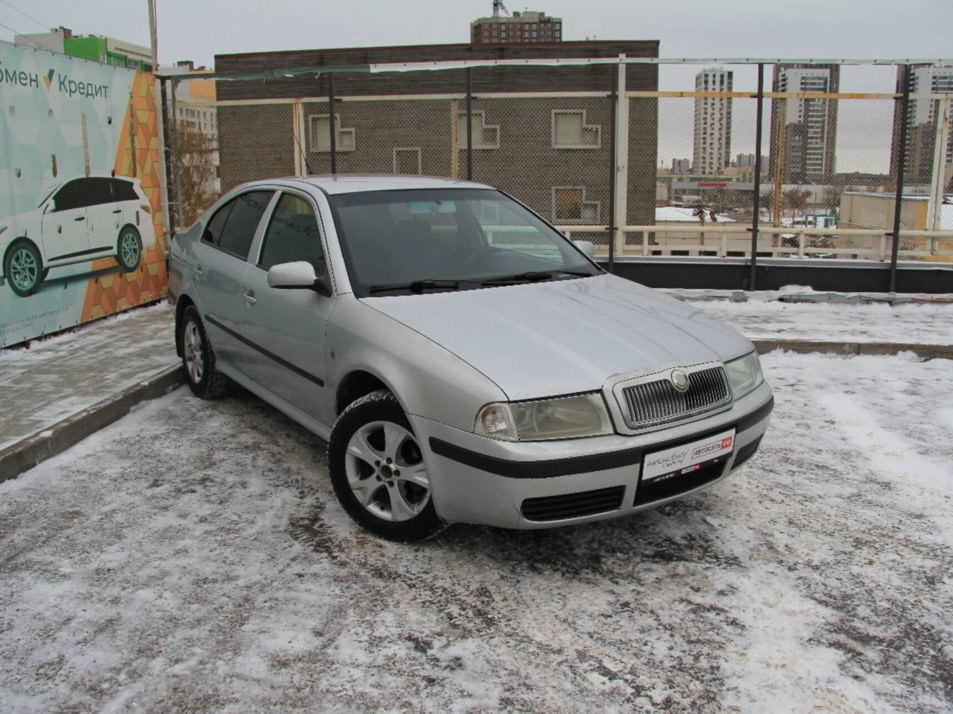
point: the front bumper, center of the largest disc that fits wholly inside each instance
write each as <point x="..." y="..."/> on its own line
<point x="527" y="485"/>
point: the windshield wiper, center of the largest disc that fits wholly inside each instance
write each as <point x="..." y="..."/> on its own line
<point x="535" y="276"/>
<point x="417" y="286"/>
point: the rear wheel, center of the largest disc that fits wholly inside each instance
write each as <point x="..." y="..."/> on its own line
<point x="129" y="249"/>
<point x="198" y="358"/>
<point x="24" y="268"/>
<point x="378" y="472"/>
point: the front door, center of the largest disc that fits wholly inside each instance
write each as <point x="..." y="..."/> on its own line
<point x="65" y="234"/>
<point x="287" y="327"/>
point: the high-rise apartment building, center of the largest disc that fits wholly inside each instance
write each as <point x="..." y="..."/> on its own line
<point x="922" y="117"/>
<point x="526" y="26"/>
<point x="712" y="153"/>
<point x="803" y="131"/>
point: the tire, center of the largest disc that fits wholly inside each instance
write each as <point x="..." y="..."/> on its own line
<point x="128" y="249"/>
<point x="378" y="472"/>
<point x="23" y="268"/>
<point x="198" y="358"/>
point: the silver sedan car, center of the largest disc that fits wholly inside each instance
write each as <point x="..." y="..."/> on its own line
<point x="464" y="361"/>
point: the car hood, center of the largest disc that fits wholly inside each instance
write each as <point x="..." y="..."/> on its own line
<point x="566" y="336"/>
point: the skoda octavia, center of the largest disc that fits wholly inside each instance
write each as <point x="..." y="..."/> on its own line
<point x="463" y="359"/>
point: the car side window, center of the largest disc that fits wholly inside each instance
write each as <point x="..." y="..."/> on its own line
<point x="213" y="231"/>
<point x="98" y="191"/>
<point x="69" y="197"/>
<point x="293" y="235"/>
<point x="233" y="226"/>
<point x="124" y="190"/>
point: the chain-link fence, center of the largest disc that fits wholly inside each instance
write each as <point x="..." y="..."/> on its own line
<point x="639" y="157"/>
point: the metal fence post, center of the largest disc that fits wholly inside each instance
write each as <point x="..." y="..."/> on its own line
<point x="176" y="158"/>
<point x="942" y="138"/>
<point x="469" y="124"/>
<point x="333" y="124"/>
<point x="756" y="218"/>
<point x="904" y="100"/>
<point x="621" y="153"/>
<point x="613" y="226"/>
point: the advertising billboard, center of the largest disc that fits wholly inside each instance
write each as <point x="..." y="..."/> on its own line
<point x="81" y="223"/>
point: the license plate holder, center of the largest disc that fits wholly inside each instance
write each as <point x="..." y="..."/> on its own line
<point x="685" y="459"/>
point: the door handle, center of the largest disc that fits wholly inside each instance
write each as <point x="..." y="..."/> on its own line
<point x="118" y="210"/>
<point x="80" y="218"/>
<point x="250" y="297"/>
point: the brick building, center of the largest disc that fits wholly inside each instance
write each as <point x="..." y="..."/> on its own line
<point x="553" y="151"/>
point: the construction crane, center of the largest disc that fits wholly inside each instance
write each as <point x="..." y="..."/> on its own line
<point x="498" y="6"/>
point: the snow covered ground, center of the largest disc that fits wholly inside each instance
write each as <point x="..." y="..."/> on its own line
<point x="763" y="316"/>
<point x="192" y="558"/>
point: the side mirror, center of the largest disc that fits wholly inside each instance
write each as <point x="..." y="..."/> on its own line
<point x="298" y="275"/>
<point x="586" y="247"/>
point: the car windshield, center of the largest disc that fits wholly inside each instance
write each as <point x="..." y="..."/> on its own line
<point x="412" y="241"/>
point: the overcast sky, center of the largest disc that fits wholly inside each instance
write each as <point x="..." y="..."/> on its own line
<point x="851" y="29"/>
<point x="199" y="29"/>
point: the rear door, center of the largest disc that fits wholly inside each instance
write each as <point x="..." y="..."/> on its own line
<point x="221" y="261"/>
<point x="286" y="328"/>
<point x="103" y="215"/>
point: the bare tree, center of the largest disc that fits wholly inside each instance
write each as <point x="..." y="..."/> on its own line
<point x="196" y="167"/>
<point x="796" y="200"/>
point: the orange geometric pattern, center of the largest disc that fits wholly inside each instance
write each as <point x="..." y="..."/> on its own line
<point x="136" y="156"/>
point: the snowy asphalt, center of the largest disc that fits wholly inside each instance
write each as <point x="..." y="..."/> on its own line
<point x="191" y="557"/>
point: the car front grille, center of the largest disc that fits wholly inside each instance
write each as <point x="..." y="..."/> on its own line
<point x="573" y="505"/>
<point x="655" y="400"/>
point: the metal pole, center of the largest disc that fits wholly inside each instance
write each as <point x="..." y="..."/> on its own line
<point x="941" y="138"/>
<point x="756" y="218"/>
<point x="469" y="125"/>
<point x="176" y="159"/>
<point x="621" y="135"/>
<point x="614" y="98"/>
<point x="333" y="125"/>
<point x="901" y="164"/>
<point x="153" y="35"/>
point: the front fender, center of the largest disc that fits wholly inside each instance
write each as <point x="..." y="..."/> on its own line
<point x="428" y="380"/>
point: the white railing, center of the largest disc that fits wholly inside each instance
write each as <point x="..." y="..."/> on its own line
<point x="728" y="239"/>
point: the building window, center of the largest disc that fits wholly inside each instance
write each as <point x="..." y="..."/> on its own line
<point x="485" y="136"/>
<point x="570" y="130"/>
<point x="570" y="206"/>
<point x="407" y="161"/>
<point x="320" y="134"/>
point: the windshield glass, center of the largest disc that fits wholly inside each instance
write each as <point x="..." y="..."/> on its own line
<point x="412" y="241"/>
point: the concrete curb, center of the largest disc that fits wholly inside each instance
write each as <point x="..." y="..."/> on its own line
<point x="33" y="450"/>
<point x="43" y="445"/>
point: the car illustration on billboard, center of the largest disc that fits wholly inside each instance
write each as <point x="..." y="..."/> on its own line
<point x="81" y="220"/>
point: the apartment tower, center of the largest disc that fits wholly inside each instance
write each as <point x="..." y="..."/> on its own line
<point x="712" y="154"/>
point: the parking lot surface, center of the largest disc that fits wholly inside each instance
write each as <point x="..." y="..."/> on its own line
<point x="192" y="557"/>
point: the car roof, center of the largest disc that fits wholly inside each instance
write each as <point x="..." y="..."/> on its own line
<point x="356" y="183"/>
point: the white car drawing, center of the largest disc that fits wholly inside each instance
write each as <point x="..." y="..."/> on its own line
<point x="81" y="220"/>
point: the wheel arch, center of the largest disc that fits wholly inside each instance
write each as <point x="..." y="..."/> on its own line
<point x="16" y="241"/>
<point x="181" y="305"/>
<point x="357" y="384"/>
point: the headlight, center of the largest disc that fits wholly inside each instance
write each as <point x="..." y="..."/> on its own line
<point x="560" y="418"/>
<point x="744" y="374"/>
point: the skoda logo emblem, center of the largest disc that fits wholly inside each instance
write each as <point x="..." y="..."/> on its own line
<point x="679" y="380"/>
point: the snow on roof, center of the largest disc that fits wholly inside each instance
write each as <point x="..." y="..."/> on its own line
<point x="673" y="214"/>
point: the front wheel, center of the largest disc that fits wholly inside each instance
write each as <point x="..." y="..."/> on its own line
<point x="198" y="358"/>
<point x="129" y="249"/>
<point x="24" y="268"/>
<point x="378" y="472"/>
